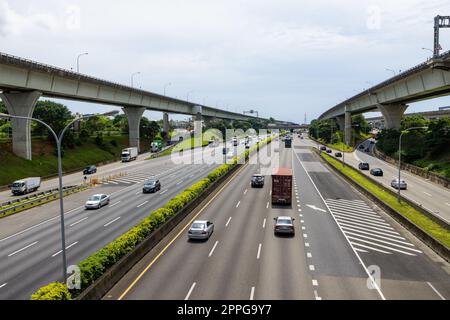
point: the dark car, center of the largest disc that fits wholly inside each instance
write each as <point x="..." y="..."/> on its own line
<point x="364" y="166"/>
<point x="90" y="170"/>
<point x="151" y="186"/>
<point x="224" y="150"/>
<point x="367" y="150"/>
<point x="323" y="148"/>
<point x="258" y="181"/>
<point x="329" y="151"/>
<point x="376" y="172"/>
<point x="338" y="154"/>
<point x="361" y="147"/>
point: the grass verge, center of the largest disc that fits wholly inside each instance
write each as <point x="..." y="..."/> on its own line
<point x="420" y="220"/>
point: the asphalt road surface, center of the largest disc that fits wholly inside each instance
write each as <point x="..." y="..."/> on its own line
<point x="341" y="238"/>
<point x="431" y="196"/>
<point x="30" y="243"/>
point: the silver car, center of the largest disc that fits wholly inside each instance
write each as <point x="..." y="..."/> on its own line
<point x="284" y="225"/>
<point x="201" y="230"/>
<point x="97" y="201"/>
<point x="396" y="185"/>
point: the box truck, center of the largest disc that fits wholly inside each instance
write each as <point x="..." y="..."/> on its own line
<point x="25" y="186"/>
<point x="129" y="154"/>
<point x="282" y="186"/>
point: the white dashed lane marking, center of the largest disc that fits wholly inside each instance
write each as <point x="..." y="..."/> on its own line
<point x="366" y="230"/>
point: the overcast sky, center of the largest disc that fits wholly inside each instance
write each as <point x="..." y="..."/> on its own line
<point x="283" y="58"/>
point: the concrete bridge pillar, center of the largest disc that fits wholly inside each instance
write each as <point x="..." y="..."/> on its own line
<point x="197" y="111"/>
<point x="348" y="127"/>
<point x="166" y="125"/>
<point x="341" y="122"/>
<point x="392" y="115"/>
<point x="134" y="116"/>
<point x="21" y="104"/>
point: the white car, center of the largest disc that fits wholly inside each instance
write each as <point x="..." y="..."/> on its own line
<point x="97" y="201"/>
<point x="201" y="230"/>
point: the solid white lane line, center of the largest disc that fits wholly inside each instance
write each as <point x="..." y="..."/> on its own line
<point x="3" y="285"/>
<point x="142" y="204"/>
<point x="317" y="295"/>
<point x="214" y="248"/>
<point x="67" y="248"/>
<point x="264" y="223"/>
<point x="111" y="222"/>
<point x="259" y="251"/>
<point x="432" y="287"/>
<point x="228" y="222"/>
<point x="190" y="291"/>
<point x="114" y="204"/>
<point x="239" y="203"/>
<point x="79" y="221"/>
<point x="252" y="293"/>
<point x="24" y="248"/>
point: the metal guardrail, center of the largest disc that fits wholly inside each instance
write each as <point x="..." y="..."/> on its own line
<point x="35" y="198"/>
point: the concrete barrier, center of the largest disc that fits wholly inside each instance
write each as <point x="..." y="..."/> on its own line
<point x="435" y="245"/>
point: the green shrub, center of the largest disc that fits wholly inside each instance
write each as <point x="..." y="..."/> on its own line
<point x="53" y="291"/>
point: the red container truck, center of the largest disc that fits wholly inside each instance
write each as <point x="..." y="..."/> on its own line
<point x="282" y="186"/>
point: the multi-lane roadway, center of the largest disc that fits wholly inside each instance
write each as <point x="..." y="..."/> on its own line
<point x="341" y="239"/>
<point x="30" y="243"/>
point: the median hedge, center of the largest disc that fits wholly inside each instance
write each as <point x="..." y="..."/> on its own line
<point x="96" y="264"/>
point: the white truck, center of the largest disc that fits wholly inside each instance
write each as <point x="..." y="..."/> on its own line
<point x="26" y="185"/>
<point x="129" y="154"/>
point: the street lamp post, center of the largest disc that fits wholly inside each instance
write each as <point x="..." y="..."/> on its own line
<point x="165" y="87"/>
<point x="400" y="157"/>
<point x="132" y="78"/>
<point x="78" y="60"/>
<point x="60" y="182"/>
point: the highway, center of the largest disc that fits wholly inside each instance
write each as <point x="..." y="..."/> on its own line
<point x="340" y="236"/>
<point x="30" y="245"/>
<point x="431" y="196"/>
